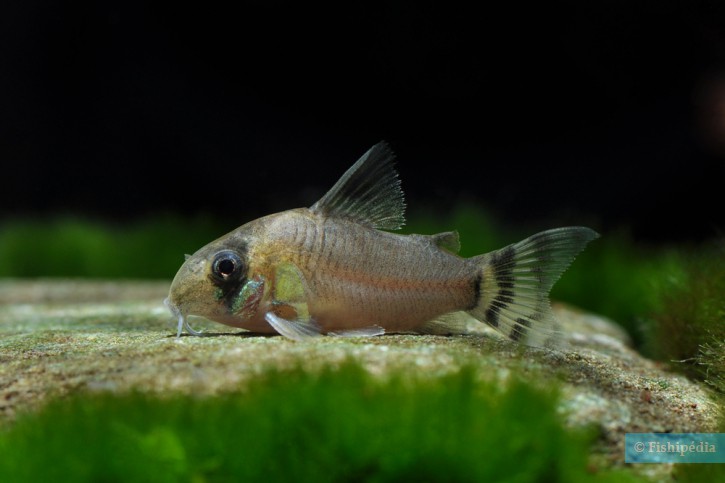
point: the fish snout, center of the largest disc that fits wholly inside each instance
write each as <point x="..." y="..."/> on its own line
<point x="187" y="286"/>
<point x="175" y="311"/>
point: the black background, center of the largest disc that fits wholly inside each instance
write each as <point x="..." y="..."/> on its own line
<point x="611" y="113"/>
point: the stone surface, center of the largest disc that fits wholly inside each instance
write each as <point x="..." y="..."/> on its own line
<point x="57" y="337"/>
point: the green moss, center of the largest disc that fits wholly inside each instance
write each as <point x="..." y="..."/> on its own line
<point x="336" y="425"/>
<point x="619" y="279"/>
<point x="690" y="327"/>
<point x="689" y="332"/>
<point x="697" y="473"/>
<point x="76" y="247"/>
<point x="712" y="358"/>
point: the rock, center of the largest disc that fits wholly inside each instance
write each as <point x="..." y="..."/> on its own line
<point x="57" y="337"/>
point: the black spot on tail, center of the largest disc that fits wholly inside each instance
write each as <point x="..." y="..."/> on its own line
<point x="538" y="272"/>
<point x="476" y="291"/>
<point x="520" y="329"/>
<point x="503" y="263"/>
<point x="492" y="316"/>
<point x="503" y="266"/>
<point x="513" y="298"/>
<point x="503" y="299"/>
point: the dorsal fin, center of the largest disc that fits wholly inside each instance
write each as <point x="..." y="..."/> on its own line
<point x="368" y="193"/>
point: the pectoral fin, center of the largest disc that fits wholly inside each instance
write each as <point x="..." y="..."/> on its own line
<point x="293" y="329"/>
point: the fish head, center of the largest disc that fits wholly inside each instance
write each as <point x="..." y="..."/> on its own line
<point x="215" y="283"/>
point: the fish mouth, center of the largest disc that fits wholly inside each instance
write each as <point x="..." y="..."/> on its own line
<point x="176" y="312"/>
<point x="183" y="322"/>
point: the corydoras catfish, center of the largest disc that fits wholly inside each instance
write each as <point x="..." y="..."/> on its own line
<point x="331" y="269"/>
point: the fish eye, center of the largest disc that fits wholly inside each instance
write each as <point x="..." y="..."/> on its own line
<point x="226" y="266"/>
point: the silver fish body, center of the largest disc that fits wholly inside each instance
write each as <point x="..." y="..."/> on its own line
<point x="330" y="269"/>
<point x="358" y="277"/>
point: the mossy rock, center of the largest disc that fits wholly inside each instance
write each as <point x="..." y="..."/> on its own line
<point x="65" y="337"/>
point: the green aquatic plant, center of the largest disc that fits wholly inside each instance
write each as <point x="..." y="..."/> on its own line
<point x="699" y="472"/>
<point x="622" y="280"/>
<point x="339" y="424"/>
<point x="77" y="247"/>
<point x="689" y="329"/>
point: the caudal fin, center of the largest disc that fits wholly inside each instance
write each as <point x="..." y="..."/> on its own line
<point x="514" y="284"/>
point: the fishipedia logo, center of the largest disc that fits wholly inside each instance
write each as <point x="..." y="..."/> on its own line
<point x="674" y="448"/>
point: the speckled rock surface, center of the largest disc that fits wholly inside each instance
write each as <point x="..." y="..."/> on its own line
<point x="57" y="337"/>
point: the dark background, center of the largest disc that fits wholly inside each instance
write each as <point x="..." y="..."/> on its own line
<point x="610" y="113"/>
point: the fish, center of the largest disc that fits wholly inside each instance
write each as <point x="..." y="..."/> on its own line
<point x="337" y="269"/>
